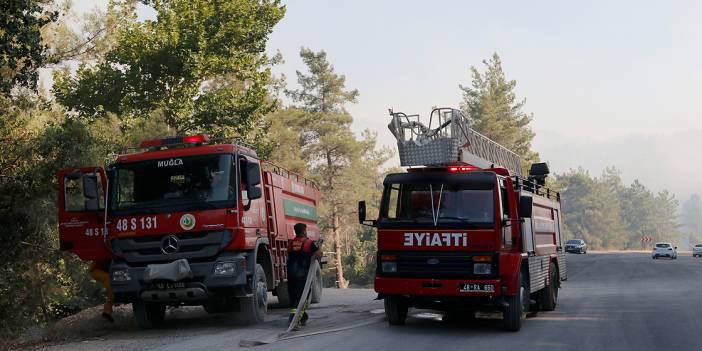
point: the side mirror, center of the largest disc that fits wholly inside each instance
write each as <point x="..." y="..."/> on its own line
<point x="253" y="179"/>
<point x="361" y="212"/>
<point x="676" y="247"/>
<point x="90" y="192"/>
<point x="362" y="215"/>
<point x="90" y="186"/>
<point x="526" y="206"/>
<point x="253" y="192"/>
<point x="253" y="174"/>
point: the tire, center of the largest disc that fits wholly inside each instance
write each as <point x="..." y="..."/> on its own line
<point x="253" y="309"/>
<point x="316" y="288"/>
<point x="396" y="308"/>
<point x="548" y="297"/>
<point x="512" y="314"/>
<point x="148" y="315"/>
<point x="282" y="292"/>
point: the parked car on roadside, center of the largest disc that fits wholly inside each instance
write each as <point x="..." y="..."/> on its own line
<point x="664" y="250"/>
<point x="697" y="250"/>
<point x="576" y="246"/>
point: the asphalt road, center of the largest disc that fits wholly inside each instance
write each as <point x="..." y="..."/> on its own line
<point x="611" y="301"/>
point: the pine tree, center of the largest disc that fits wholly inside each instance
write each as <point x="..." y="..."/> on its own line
<point x="492" y="106"/>
<point x="328" y="144"/>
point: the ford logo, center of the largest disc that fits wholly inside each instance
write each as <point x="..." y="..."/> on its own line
<point x="433" y="261"/>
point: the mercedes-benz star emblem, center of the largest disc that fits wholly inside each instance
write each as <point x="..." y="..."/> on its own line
<point x="169" y="245"/>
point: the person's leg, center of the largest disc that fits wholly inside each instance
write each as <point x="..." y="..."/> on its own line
<point x="104" y="278"/>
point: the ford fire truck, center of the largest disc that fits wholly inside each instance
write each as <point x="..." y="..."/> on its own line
<point x="462" y="231"/>
<point x="188" y="221"/>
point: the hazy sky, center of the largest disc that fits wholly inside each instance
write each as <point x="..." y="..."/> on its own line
<point x="609" y="83"/>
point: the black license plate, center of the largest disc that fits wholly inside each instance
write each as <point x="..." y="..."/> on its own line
<point x="476" y="287"/>
<point x="174" y="285"/>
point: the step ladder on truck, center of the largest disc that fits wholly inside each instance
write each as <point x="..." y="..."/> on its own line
<point x="463" y="231"/>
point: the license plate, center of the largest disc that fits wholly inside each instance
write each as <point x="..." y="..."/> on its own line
<point x="476" y="287"/>
<point x="175" y="285"/>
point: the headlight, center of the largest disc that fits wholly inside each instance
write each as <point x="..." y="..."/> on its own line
<point x="482" y="268"/>
<point x="121" y="275"/>
<point x="225" y="268"/>
<point x="389" y="267"/>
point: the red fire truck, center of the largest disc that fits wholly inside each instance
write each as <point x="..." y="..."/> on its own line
<point x="188" y="221"/>
<point x="462" y="230"/>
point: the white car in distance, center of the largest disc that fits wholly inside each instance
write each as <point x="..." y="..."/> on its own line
<point x="697" y="250"/>
<point x="664" y="250"/>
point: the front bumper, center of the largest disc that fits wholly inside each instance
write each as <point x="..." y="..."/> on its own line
<point x="433" y="287"/>
<point x="203" y="286"/>
<point x="574" y="249"/>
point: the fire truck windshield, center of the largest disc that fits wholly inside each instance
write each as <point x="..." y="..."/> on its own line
<point x="173" y="184"/>
<point x="440" y="204"/>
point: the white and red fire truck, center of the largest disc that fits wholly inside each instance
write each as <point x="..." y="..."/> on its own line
<point x="462" y="230"/>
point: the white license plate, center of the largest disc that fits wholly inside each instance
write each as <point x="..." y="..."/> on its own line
<point x="476" y="287"/>
<point x="175" y="285"/>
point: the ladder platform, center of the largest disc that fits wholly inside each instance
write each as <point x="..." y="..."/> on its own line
<point x="447" y="139"/>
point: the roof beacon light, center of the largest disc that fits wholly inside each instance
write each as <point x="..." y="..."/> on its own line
<point x="200" y="138"/>
<point x="175" y="140"/>
<point x="455" y="169"/>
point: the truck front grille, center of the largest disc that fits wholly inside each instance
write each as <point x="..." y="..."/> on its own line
<point x="193" y="246"/>
<point x="435" y="265"/>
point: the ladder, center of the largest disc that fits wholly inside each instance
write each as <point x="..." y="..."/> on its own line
<point x="447" y="140"/>
<point x="279" y="247"/>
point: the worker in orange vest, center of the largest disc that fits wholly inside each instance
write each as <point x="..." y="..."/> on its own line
<point x="301" y="250"/>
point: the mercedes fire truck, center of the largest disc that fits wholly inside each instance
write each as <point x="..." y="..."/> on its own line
<point x="462" y="231"/>
<point x="188" y="221"/>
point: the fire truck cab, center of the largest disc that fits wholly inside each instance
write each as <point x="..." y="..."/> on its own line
<point x="188" y="221"/>
<point x="464" y="237"/>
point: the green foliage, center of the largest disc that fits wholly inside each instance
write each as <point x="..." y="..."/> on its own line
<point x="38" y="282"/>
<point x="493" y="108"/>
<point x="201" y="64"/>
<point x="22" y="51"/>
<point x="610" y="215"/>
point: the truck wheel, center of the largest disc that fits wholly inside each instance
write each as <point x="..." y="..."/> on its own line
<point x="396" y="308"/>
<point x="253" y="309"/>
<point x="148" y="314"/>
<point x="517" y="305"/>
<point x="316" y="287"/>
<point x="282" y="292"/>
<point x="548" y="297"/>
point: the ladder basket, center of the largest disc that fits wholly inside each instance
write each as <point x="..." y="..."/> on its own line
<point x="447" y="139"/>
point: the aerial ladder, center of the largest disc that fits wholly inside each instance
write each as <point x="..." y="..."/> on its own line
<point x="447" y="139"/>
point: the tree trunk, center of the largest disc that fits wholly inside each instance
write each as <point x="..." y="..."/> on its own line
<point x="337" y="251"/>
